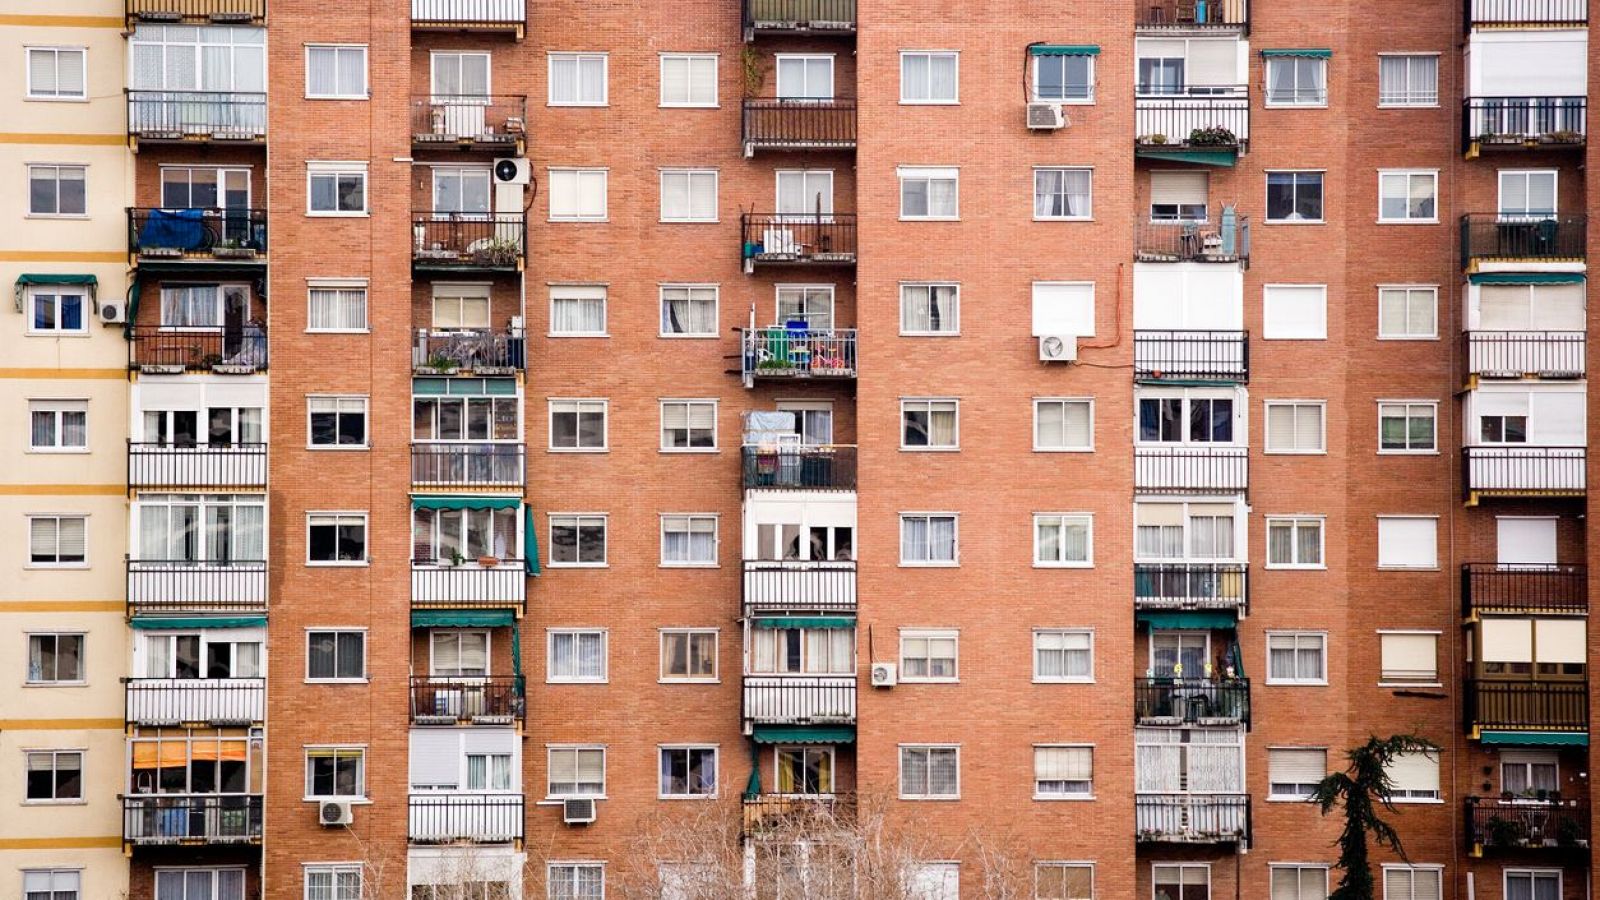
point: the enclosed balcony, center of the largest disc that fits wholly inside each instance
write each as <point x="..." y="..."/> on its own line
<point x="1501" y="706"/>
<point x="468" y="242"/>
<point x="827" y="467"/>
<point x="161" y="350"/>
<point x="469" y="351"/>
<point x="470" y="584"/>
<point x="1545" y="825"/>
<point x="191" y="820"/>
<point x="163" y="587"/>
<point x="1192" y="818"/>
<point x="1526" y="13"/>
<point x="507" y="16"/>
<point x="1227" y="241"/>
<point x="799" y="585"/>
<point x="1191" y="585"/>
<point x="799" y="352"/>
<point x="468" y="464"/>
<point x="800" y="699"/>
<point x="1524" y="354"/>
<point x="813" y="17"/>
<point x="1489" y="238"/>
<point x="1198" y="15"/>
<point x="197" y="466"/>
<point x="782" y="123"/>
<point x="183" y="117"/>
<point x="451" y="817"/>
<point x="492" y="122"/>
<point x="1209" y="355"/>
<point x="797" y="239"/>
<point x="1549" y="589"/>
<point x="490" y="700"/>
<point x="1519" y="123"/>
<point x="1190" y="470"/>
<point x="195" y="12"/>
<point x="157" y="236"/>
<point x="1197" y="123"/>
<point x="195" y="701"/>
<point x="1184" y="702"/>
<point x="1521" y="471"/>
<point x="794" y="817"/>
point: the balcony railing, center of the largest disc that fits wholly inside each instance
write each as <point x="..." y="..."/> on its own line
<point x="1526" y="824"/>
<point x="779" y="123"/>
<point x="830" y="467"/>
<point x="1518" y="354"/>
<point x="469" y="585"/>
<point x="493" y="120"/>
<point x="448" y="817"/>
<point x="798" y="239"/>
<point x="780" y="352"/>
<point x="1221" y="355"/>
<point x="162" y="587"/>
<point x="794" y="585"/>
<point x="470" y="15"/>
<point x="232" y="116"/>
<point x="1204" y="118"/>
<point x="197" y="466"/>
<point x="1521" y="471"/>
<point x="1191" y="701"/>
<point x="469" y="464"/>
<point x="176" y="819"/>
<point x="1526" y="12"/>
<point x="1490" y="587"/>
<point x="1524" y="121"/>
<point x="176" y="701"/>
<point x="197" y="234"/>
<point x="439" y="700"/>
<point x="1527" y="705"/>
<point x="1489" y="237"/>
<point x="1191" y="586"/>
<point x="793" y="817"/>
<point x="481" y="351"/>
<point x="196" y="12"/>
<point x="1182" y="14"/>
<point x="1192" y="242"/>
<point x="490" y="241"/>
<point x="225" y="351"/>
<point x="800" y="699"/>
<point x="1192" y="818"/>
<point x="1192" y="470"/>
<point x="781" y="16"/>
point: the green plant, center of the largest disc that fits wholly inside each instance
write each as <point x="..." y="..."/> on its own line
<point x="1564" y="136"/>
<point x="1505" y="832"/>
<point x="1157" y="139"/>
<point x="1360" y="790"/>
<point x="754" y="68"/>
<point x="1215" y="136"/>
<point x="456" y="558"/>
<point x="441" y="363"/>
<point x="1568" y="832"/>
<point x="497" y="252"/>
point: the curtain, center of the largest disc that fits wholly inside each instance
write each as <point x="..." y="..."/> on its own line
<point x="914" y="539"/>
<point x="194" y="306"/>
<point x="591" y="655"/>
<point x="169" y="885"/>
<point x="1216" y="769"/>
<point x="1157" y="768"/>
<point x="564" y="79"/>
<point x="322" y="71"/>
<point x="343" y="309"/>
<point x="941" y="77"/>
<point x="153" y="524"/>
<point x="766" y="651"/>
<point x="158" y="656"/>
<point x="942" y="197"/>
<point x="230" y="885"/>
<point x="578" y="314"/>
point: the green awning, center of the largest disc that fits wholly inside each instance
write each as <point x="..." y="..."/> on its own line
<point x="1224" y="157"/>
<point x="804" y="734"/>
<point x="465" y="387"/>
<point x="530" y="540"/>
<point x="1313" y="54"/>
<point x="199" y="622"/>
<point x="1536" y="738"/>
<point x="438" y="502"/>
<point x="462" y="618"/>
<point x="25" y="280"/>
<point x="752" y="788"/>
<point x="1526" y="278"/>
<point x="1185" y="620"/>
<point x="805" y="622"/>
<point x="1064" y="49"/>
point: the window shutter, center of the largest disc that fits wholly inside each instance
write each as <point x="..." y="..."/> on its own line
<point x="1407" y="542"/>
<point x="1507" y="640"/>
<point x="1295" y="766"/>
<point x="42" y="538"/>
<point x="1397" y="884"/>
<point x="1558" y="307"/>
<point x="71" y="535"/>
<point x="1295" y="312"/>
<point x="1063" y="763"/>
<point x="1158" y="514"/>
<point x="1424" y="884"/>
<point x="1525" y="542"/>
<point x="1415" y="772"/>
<point x="69" y="73"/>
<point x="675" y="80"/>
<point x="1409" y="657"/>
<point x="1063" y="309"/>
<point x="1308" y="427"/>
<point x="591" y="767"/>
<point x="435" y="758"/>
<point x="1281" y="431"/>
<point x="1560" y="640"/>
<point x="1503" y="307"/>
<point x="702" y="415"/>
<point x="1500" y="403"/>
<point x="1076" y="422"/>
<point x="674" y="415"/>
<point x="1177" y="188"/>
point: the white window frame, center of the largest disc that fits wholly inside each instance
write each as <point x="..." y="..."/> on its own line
<point x="579" y="520"/>
<point x="1525" y="173"/>
<point x="693" y="289"/>
<point x="1034" y="196"/>
<point x="605" y="763"/>
<point x="1408" y="174"/>
<point x="336" y="678"/>
<point x="580" y="172"/>
<point x="552" y="677"/>
<point x="901" y="767"/>
<point x="1274" y="797"/>
<point x="56" y="407"/>
<point x="73" y="874"/>
<point x="315" y="285"/>
<point x="34" y="293"/>
<point x="954" y="330"/>
<point x="550" y="421"/>
<point x="339" y="516"/>
<point x="688" y="634"/>
<point x="1033" y="86"/>
<point x="1273" y="331"/>
<point x="1063" y="864"/>
<point x="1294" y="407"/>
<point x="1410" y="867"/>
<point x="56" y="753"/>
<point x="1406" y="408"/>
<point x="1532" y="872"/>
<point x="88" y="552"/>
<point x="693" y="176"/>
<point x="1410" y="91"/>
<point x="83" y="669"/>
<point x="1298" y="635"/>
<point x="716" y="765"/>
<point x="57" y="50"/>
<point x="1301" y="869"/>
<point x="578" y="293"/>
<point x="1180" y="866"/>
<point x="1052" y="798"/>
<point x="1434" y="567"/>
<point x="690" y="59"/>
<point x="1271" y="62"/>
<point x="578" y="58"/>
<point x="360" y="796"/>
<point x="1410" y="291"/>
<point x="953" y="55"/>
<point x="689" y="405"/>
<point x="333" y="871"/>
<point x="1433" y="682"/>
<point x="1086" y="448"/>
<point x="1296" y="522"/>
<point x="955" y="519"/>
<point x="927" y="404"/>
<point x="689" y="519"/>
<point x="58" y="214"/>
<point x="338" y="400"/>
<point x="337" y="170"/>
<point x="1062" y="679"/>
<point x="338" y="50"/>
<point x="950" y="634"/>
<point x="1062" y="519"/>
<point x="1266" y="191"/>
<point x="929" y="174"/>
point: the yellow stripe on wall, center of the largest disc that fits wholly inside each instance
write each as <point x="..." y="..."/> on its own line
<point x="62" y="843"/>
<point x="62" y="21"/>
<point x="47" y="137"/>
<point x="61" y="724"/>
<point x="60" y="606"/>
<point x="63" y="490"/>
<point x="48" y="374"/>
<point x="100" y="256"/>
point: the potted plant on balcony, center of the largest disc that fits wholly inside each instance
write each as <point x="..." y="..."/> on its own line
<point x="456" y="559"/>
<point x="1504" y="832"/>
<point x="1214" y="136"/>
<point x="442" y="365"/>
<point x="232" y="249"/>
<point x="1563" y="136"/>
<point x="497" y="252"/>
<point x="1156" y="139"/>
<point x="1569" y="833"/>
<point x="488" y="562"/>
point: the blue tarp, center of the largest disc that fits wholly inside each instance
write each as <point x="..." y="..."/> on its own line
<point x="179" y="229"/>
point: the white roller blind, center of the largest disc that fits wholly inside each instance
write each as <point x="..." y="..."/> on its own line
<point x="1158" y="514"/>
<point x="1504" y="307"/>
<point x="1063" y="309"/>
<point x="1525" y="542"/>
<point x="1147" y="48"/>
<point x="1410" y="884"/>
<point x="1556" y="418"/>
<point x="1560" y="640"/>
<point x="42" y="537"/>
<point x="1507" y="640"/>
<point x="72" y="537"/>
<point x="1415" y="772"/>
<point x="435" y="758"/>
<point x="1211" y="509"/>
<point x="1515" y="65"/>
<point x="1063" y="763"/>
<point x="1558" y="307"/>
<point x="1501" y="403"/>
<point x="1295" y="312"/>
<point x="1408" y="542"/>
<point x="1296" y="766"/>
<point x="1409" y="657"/>
<point x="1178" y="188"/>
<point x="1213" y="62"/>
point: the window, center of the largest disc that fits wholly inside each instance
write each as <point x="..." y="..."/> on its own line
<point x="568" y="881"/>
<point x="688" y="772"/>
<point x="1412" y="882"/>
<point x="1178" y="196"/>
<point x="806" y="771"/>
<point x="1297" y="657"/>
<point x="811" y="651"/>
<point x="929" y="425"/>
<point x="1179" y="881"/>
<point x="578" y="195"/>
<point x="1295" y="426"/>
<point x="929" y="309"/>
<point x="337" y="307"/>
<point x="1408" y="313"/>
<point x="930" y="773"/>
<point x="460" y="306"/>
<point x="1407" y="427"/>
<point x="1409" y="657"/>
<point x="336" y="538"/>
<point x="1063" y="194"/>
<point x="1415" y="776"/>
<point x="336" y="72"/>
<point x="1294" y="543"/>
<point x="928" y="656"/>
<point x="461" y="189"/>
<point x="578" y="655"/>
<point x="1063" y="773"/>
<point x="57" y="73"/>
<point x="58" y="541"/>
<point x="202" y="306"/>
<point x="577" y="79"/>
<point x="1293" y="773"/>
<point x="578" y="424"/>
<point x="200" y="884"/>
<point x="1064" y="78"/>
<point x="688" y="540"/>
<point x="1525" y="773"/>
<point x="804" y="192"/>
<point x="688" y="655"/>
<point x="1408" y="542"/>
<point x="336" y="772"/>
<point x="1294" y="196"/>
<point x="1406" y="196"/>
<point x="929" y="76"/>
<point x="225" y="59"/>
<point x="1198" y="416"/>
<point x="1063" y="881"/>
<point x="927" y="540"/>
<point x="1196" y="531"/>
<point x="60" y="309"/>
<point x="808" y="303"/>
<point x="929" y="193"/>
<point x="1063" y="540"/>
<point x="688" y="310"/>
<point x="688" y="425"/>
<point x="55" y="776"/>
<point x="336" y="189"/>
<point x="336" y="655"/>
<point x="688" y="79"/>
<point x="333" y="882"/>
<point x="337" y="421"/>
<point x="1408" y="79"/>
<point x="169" y="527"/>
<point x="1291" y="882"/>
<point x="1527" y="194"/>
<point x="688" y="196"/>
<point x="578" y="310"/>
<point x="460" y="82"/>
<point x="444" y="536"/>
<point x="57" y="190"/>
<point x="55" y="658"/>
<point x="805" y="76"/>
<point x="1533" y="884"/>
<point x="50" y="884"/>
<point x="578" y="540"/>
<point x="933" y="881"/>
<point x="577" y="771"/>
<point x="1063" y="425"/>
<point x="1297" y="81"/>
<point x="58" y="425"/>
<point x="1295" y="312"/>
<point x="458" y="654"/>
<point x="1063" y="655"/>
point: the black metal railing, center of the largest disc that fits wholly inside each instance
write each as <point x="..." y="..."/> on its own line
<point x="153" y="820"/>
<point x="484" y="351"/>
<point x="797" y="816"/>
<point x="773" y="586"/>
<point x="779" y="352"/>
<point x="1223" y="355"/>
<point x="196" y="12"/>
<point x="208" y="234"/>
<point x="152" y="465"/>
<point x="1527" y="823"/>
<point x="192" y="115"/>
<point x="482" y="818"/>
<point x="468" y="464"/>
<point x="1526" y="12"/>
<point x="1192" y="818"/>
<point x="1520" y="471"/>
<point x="1191" y="701"/>
<point x="468" y="13"/>
<point x="1491" y="587"/>
<point x="468" y="585"/>
<point x="1518" y="121"/>
<point x="174" y="701"/>
<point x="800" y="699"/>
<point x="1191" y="586"/>
<point x="223" y="350"/>
<point x="490" y="700"/>
<point x="835" y="16"/>
<point x="826" y="239"/>
<point x="1192" y="242"/>
<point x="1193" y="14"/>
<point x="1490" y="236"/>
<point x="495" y="119"/>
<point x="1191" y="470"/>
<point x="1216" y="117"/>
<point x="468" y="240"/>
<point x="800" y="124"/>
<point x="1516" y="354"/>
<point x="830" y="467"/>
<point x="1526" y="705"/>
<point x="163" y="586"/>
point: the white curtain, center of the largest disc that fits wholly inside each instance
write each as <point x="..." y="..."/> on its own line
<point x="193" y="306"/>
<point x="1061" y="192"/>
<point x="570" y="314"/>
<point x="942" y="197"/>
<point x="343" y="309"/>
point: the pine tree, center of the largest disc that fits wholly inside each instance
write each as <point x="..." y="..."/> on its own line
<point x="1360" y="789"/>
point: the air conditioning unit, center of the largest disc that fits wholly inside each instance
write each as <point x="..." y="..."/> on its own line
<point x="113" y="313"/>
<point x="884" y="675"/>
<point x="1058" y="348"/>
<point x="1046" y="116"/>
<point x="334" y="812"/>
<point x="512" y="170"/>
<point x="577" y="812"/>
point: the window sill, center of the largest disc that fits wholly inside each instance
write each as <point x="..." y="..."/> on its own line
<point x="1383" y="568"/>
<point x="41" y="99"/>
<point x="337" y="681"/>
<point x="1294" y="221"/>
<point x="577" y="449"/>
<point x="78" y="217"/>
<point x="1407" y="221"/>
<point x="338" y="331"/>
<point x="905" y="449"/>
<point x="1322" y="452"/>
<point x="1061" y="101"/>
<point x="686" y="337"/>
<point x="59" y="334"/>
<point x="55" y="684"/>
<point x="1434" y="105"/>
<point x="905" y="680"/>
<point x="354" y="801"/>
<point x="558" y="799"/>
<point x="689" y="565"/>
<point x="80" y="801"/>
<point x="339" y="447"/>
<point x="338" y="97"/>
<point x="59" y="451"/>
<point x="579" y="219"/>
<point x="577" y="681"/>
<point x="930" y="565"/>
<point x="1063" y="218"/>
<point x="1320" y="104"/>
<point x="904" y="102"/>
<point x="1382" y="452"/>
<point x="1063" y="681"/>
<point x="688" y="221"/>
<point x="1402" y="685"/>
<point x="569" y="565"/>
<point x="1062" y="798"/>
<point x="933" y="334"/>
<point x="338" y="564"/>
<point x="689" y="450"/>
<point x="576" y="104"/>
<point x="577" y="334"/>
<point x="930" y="218"/>
<point x="1418" y="801"/>
<point x="1286" y="798"/>
<point x="929" y="798"/>
<point x="1408" y="337"/>
<point x="326" y="214"/>
<point x="1063" y="565"/>
<point x="688" y="106"/>
<point x="1289" y="568"/>
<point x="56" y="567"/>
<point x="690" y="797"/>
<point x="1322" y="683"/>
<point x="1063" y="449"/>
<point x="688" y="681"/>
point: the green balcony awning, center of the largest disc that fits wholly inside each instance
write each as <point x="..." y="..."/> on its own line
<point x="1525" y="278"/>
<point x="28" y="279"/>
<point x="804" y="734"/>
<point x="1310" y="53"/>
<point x="805" y="622"/>
<point x="199" y="622"/>
<point x="1064" y="49"/>
<point x="1185" y="620"/>
<point x="465" y="387"/>
<point x="462" y="618"/>
<point x="1535" y="738"/>
<point x="530" y="540"/>
<point x="440" y="502"/>
<point x="1226" y="157"/>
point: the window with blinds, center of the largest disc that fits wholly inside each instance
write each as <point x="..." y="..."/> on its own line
<point x="578" y="79"/>
<point x="1415" y="776"/>
<point x="577" y="194"/>
<point x="577" y="310"/>
<point x="58" y="540"/>
<point x="56" y="73"/>
<point x="1062" y="540"/>
<point x="1178" y="196"/>
<point x="1411" y="883"/>
<point x="927" y="309"/>
<point x="930" y="773"/>
<point x="576" y="771"/>
<point x="1408" y="542"/>
<point x="689" y="195"/>
<point x="1296" y="427"/>
<point x="1063" y="424"/>
<point x="688" y="79"/>
<point x="1408" y="313"/>
<point x="1297" y="657"/>
<point x="1531" y="307"/>
<point x="1408" y="79"/>
<point x="1063" y="881"/>
<point x="1295" y="312"/>
<point x="688" y="425"/>
<point x="929" y="424"/>
<point x="577" y="655"/>
<point x="1295" y="543"/>
<point x="1293" y="772"/>
<point x="337" y="307"/>
<point x="1063" y="655"/>
<point x="1299" y="882"/>
<point x="929" y="656"/>
<point x="1409" y="657"/>
<point x="1063" y="772"/>
<point x="336" y="72"/>
<point x="689" y="540"/>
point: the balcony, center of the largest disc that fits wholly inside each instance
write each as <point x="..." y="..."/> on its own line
<point x="235" y="236"/>
<point x="794" y="817"/>
<point x="159" y="350"/>
<point x="830" y="467"/>
<point x="195" y="12"/>
<point x="800" y="699"/>
<point x="163" y="587"/>
<point x="780" y="352"/>
<point x="1219" y="242"/>
<point x="468" y="585"/>
<point x="468" y="242"/>
<point x="1526" y="706"/>
<point x="1522" y="825"/>
<point x="509" y="16"/>
<point x="798" y="239"/>
<point x="469" y="464"/>
<point x="196" y="116"/>
<point x="1213" y="121"/>
<point x="1196" y="15"/>
<point x="1211" y="355"/>
<point x="1191" y="586"/>
<point x="1190" y="470"/>
<point x="796" y="585"/>
<point x="438" y="700"/>
<point x="1521" y="471"/>
<point x="1489" y="587"/>
<point x="1180" y="702"/>
<point x="195" y="701"/>
<point x="1486" y="237"/>
<point x="1523" y="123"/>
<point x="469" y="351"/>
<point x="776" y="123"/>
<point x="1192" y="818"/>
<point x="191" y="819"/>
<point x="197" y="466"/>
<point x="815" y="17"/>
<point x="447" y="817"/>
<point x="1524" y="354"/>
<point x="1526" y="13"/>
<point x="496" y="122"/>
